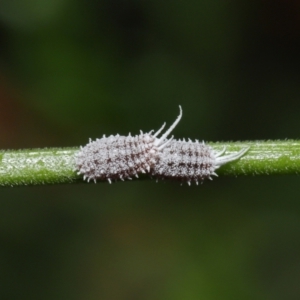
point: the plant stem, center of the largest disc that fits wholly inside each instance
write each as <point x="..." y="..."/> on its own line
<point x="263" y="158"/>
<point x="37" y="166"/>
<point x="56" y="165"/>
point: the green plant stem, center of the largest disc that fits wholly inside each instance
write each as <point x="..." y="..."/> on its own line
<point x="56" y="165"/>
<point x="263" y="158"/>
<point x="37" y="166"/>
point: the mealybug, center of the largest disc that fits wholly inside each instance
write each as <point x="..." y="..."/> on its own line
<point x="121" y="157"/>
<point x="189" y="161"/>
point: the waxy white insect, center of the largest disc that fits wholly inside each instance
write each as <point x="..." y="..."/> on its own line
<point x="121" y="157"/>
<point x="189" y="161"/>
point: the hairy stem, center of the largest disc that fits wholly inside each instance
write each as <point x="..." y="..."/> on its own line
<point x="56" y="165"/>
<point x="263" y="158"/>
<point x="37" y="166"/>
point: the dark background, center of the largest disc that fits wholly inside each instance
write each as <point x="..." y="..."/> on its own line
<point x="70" y="70"/>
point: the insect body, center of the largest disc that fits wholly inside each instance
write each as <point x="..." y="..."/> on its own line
<point x="121" y="157"/>
<point x="189" y="161"/>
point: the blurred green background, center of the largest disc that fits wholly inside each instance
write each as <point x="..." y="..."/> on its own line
<point x="70" y="70"/>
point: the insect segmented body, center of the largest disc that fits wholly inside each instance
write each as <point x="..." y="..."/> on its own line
<point x="189" y="161"/>
<point x="121" y="157"/>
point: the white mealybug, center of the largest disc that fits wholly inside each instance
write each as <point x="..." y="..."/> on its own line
<point x="189" y="161"/>
<point x="120" y="157"/>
